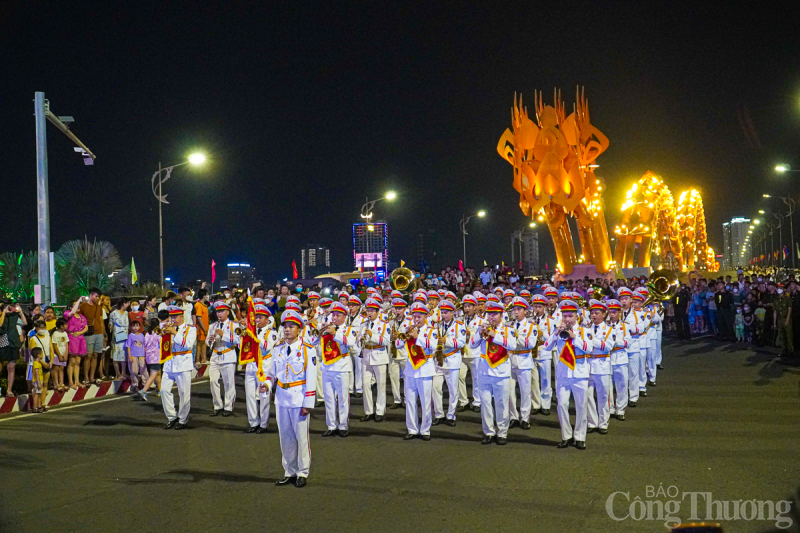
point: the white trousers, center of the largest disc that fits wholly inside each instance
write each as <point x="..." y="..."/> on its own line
<point x="295" y="448"/>
<point x="227" y="371"/>
<point x="620" y="376"/>
<point x="258" y="403"/>
<point x="337" y="405"/>
<point x="451" y="376"/>
<point x="320" y="391"/>
<point x="355" y="376"/>
<point x="598" y="413"/>
<point x="499" y="389"/>
<point x="396" y="367"/>
<point x="470" y="365"/>
<point x="643" y="368"/>
<point x="523" y="377"/>
<point x="658" y="349"/>
<point x="633" y="376"/>
<point x="546" y="385"/>
<point x="536" y="392"/>
<point x="418" y="389"/>
<point x="184" y="382"/>
<point x="577" y="387"/>
<point x="652" y="361"/>
<point x="375" y="373"/>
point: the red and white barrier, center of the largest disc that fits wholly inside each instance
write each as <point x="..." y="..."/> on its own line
<point x="106" y="388"/>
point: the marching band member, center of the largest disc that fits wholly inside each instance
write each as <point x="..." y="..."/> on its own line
<point x="434" y="316"/>
<point x="257" y="394"/>
<point x="376" y="336"/>
<point x="316" y="314"/>
<point x="355" y="320"/>
<point x="572" y="342"/>
<point x="522" y="364"/>
<point x="223" y="340"/>
<point x="399" y="324"/>
<point x="294" y="375"/>
<point x="546" y="326"/>
<point x="471" y="356"/>
<point x="604" y="339"/>
<point x="651" y="357"/>
<point x="178" y="369"/>
<point x="453" y="337"/>
<point x="637" y="300"/>
<point x="553" y="311"/>
<point x="634" y="327"/>
<point x="421" y="342"/>
<point x="481" y="299"/>
<point x="336" y="339"/>
<point x="494" y="340"/>
<point x="619" y="360"/>
<point x="508" y="297"/>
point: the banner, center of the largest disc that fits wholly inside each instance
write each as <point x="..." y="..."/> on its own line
<point x="330" y="350"/>
<point x="568" y="355"/>
<point x="166" y="348"/>
<point x="134" y="276"/>
<point x="416" y="355"/>
<point x="294" y="269"/>
<point x="213" y="272"/>
<point x="249" y="351"/>
<point x="495" y="355"/>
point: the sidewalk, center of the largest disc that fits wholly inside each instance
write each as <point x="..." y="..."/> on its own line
<point x="106" y="388"/>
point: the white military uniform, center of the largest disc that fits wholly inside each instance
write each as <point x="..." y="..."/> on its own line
<point x="521" y="368"/>
<point x="178" y="370"/>
<point x="636" y="324"/>
<point x="619" y="367"/>
<point x="223" y="362"/>
<point x="294" y="375"/>
<point x="375" y="357"/>
<point x="336" y="378"/>
<point x="258" y="402"/>
<point x="494" y="381"/>
<point x="469" y="363"/>
<point x="455" y="338"/>
<point x="357" y="369"/>
<point x="544" y="360"/>
<point x="651" y="355"/>
<point x="418" y="383"/>
<point x="573" y="382"/>
<point x="398" y="362"/>
<point x="604" y="340"/>
<point x="320" y="317"/>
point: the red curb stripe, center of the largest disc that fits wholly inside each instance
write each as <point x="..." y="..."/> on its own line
<point x="123" y="387"/>
<point x="80" y="394"/>
<point x="56" y="398"/>
<point x="102" y="390"/>
<point x="8" y="405"/>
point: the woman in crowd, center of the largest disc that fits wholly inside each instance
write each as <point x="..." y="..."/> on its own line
<point x="77" y="325"/>
<point x="118" y="320"/>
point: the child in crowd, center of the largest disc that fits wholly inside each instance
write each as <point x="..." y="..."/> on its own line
<point x="761" y="313"/>
<point x="749" y="322"/>
<point x="152" y="354"/>
<point x="37" y="379"/>
<point x="738" y="324"/>
<point x="60" y="354"/>
<point x="134" y="348"/>
<point x="41" y="340"/>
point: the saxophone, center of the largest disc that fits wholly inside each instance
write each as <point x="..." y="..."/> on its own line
<point x="439" y="353"/>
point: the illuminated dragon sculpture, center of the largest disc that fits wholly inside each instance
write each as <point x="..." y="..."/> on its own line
<point x="554" y="161"/>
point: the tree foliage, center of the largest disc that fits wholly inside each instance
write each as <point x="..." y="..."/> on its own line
<point x="83" y="264"/>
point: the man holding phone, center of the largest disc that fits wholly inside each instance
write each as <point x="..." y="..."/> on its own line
<point x="12" y="320"/>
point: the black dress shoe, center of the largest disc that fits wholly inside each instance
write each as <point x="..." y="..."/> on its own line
<point x="300" y="483"/>
<point x="357" y="395"/>
<point x="643" y="394"/>
<point x="318" y="403"/>
<point x="621" y="418"/>
<point x="214" y="413"/>
<point x="437" y="421"/>
<point x="660" y="367"/>
<point x="226" y="413"/>
<point x="603" y="431"/>
<point x="591" y="430"/>
<point x="461" y="408"/>
<point x="367" y="418"/>
<point x="343" y="433"/>
<point x="286" y="481"/>
<point x="425" y="437"/>
<point x="409" y="436"/>
<point x="251" y="429"/>
<point x="476" y="408"/>
<point x="181" y="426"/>
<point x="563" y="444"/>
<point x="260" y="430"/>
<point x="545" y="412"/>
<point x="329" y="433"/>
<point x="487" y="439"/>
<point x="450" y="423"/>
<point x="171" y="424"/>
<point x="378" y="418"/>
<point x="631" y="404"/>
<point x="525" y="425"/>
<point x="650" y="383"/>
<point x="513" y="424"/>
<point x="501" y="441"/>
<point x="394" y="406"/>
<point x="580" y="444"/>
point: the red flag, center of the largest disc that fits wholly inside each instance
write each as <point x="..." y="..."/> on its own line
<point x="568" y="355"/>
<point x="166" y="348"/>
<point x="461" y="265"/>
<point x="249" y="349"/>
<point x="294" y="269"/>
<point x="213" y="271"/>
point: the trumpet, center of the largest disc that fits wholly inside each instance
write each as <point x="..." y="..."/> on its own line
<point x="316" y="330"/>
<point x="407" y="335"/>
<point x="488" y="332"/>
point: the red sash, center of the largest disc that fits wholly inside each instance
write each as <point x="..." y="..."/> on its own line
<point x="416" y="355"/>
<point x="568" y="355"/>
<point x="166" y="348"/>
<point x="495" y="354"/>
<point x="330" y="350"/>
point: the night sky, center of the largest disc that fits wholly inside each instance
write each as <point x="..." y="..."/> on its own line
<point x="306" y="110"/>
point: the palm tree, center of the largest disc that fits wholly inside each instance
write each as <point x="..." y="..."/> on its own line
<point x="81" y="265"/>
<point x="18" y="274"/>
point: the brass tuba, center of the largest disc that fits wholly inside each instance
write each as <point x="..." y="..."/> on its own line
<point x="403" y="280"/>
<point x="663" y="284"/>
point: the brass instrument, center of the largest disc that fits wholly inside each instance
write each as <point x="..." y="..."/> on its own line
<point x="581" y="301"/>
<point x="405" y="336"/>
<point x="663" y="284"/>
<point x="600" y="292"/>
<point x="439" y="352"/>
<point x="403" y="280"/>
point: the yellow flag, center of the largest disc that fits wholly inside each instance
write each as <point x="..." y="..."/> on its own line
<point x="134" y="276"/>
<point x="484" y="262"/>
<point x="402" y="263"/>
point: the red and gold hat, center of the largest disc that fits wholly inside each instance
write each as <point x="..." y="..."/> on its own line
<point x="263" y="310"/>
<point x="354" y="300"/>
<point x="519" y="301"/>
<point x="174" y="310"/>
<point x="399" y="303"/>
<point x="551" y="292"/>
<point x="493" y="298"/>
<point x="538" y="299"/>
<point x="293" y="299"/>
<point x="421" y="297"/>
<point x="637" y="297"/>
<point x="568" y="306"/>
<point x="447" y="305"/>
<point x="419" y="307"/>
<point x="494" y="307"/>
<point x="221" y="306"/>
<point x="508" y="293"/>
<point x="313" y="295"/>
<point x="624" y="291"/>
<point x="291" y="316"/>
<point x="433" y="294"/>
<point x="469" y="299"/>
<point x="325" y="302"/>
<point x="525" y="293"/>
<point x="480" y="297"/>
<point x="597" y="305"/>
<point x="397" y="294"/>
<point x="372" y="303"/>
<point x="378" y="297"/>
<point x="293" y="306"/>
<point x="338" y="307"/>
<point x="614" y="305"/>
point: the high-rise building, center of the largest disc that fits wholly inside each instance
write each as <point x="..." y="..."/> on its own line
<point x="736" y="251"/>
<point x="240" y="274"/>
<point x="315" y="260"/>
<point x="525" y="250"/>
<point x="428" y="251"/>
<point x="371" y="247"/>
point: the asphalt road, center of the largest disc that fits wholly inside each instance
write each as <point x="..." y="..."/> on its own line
<point x="721" y="420"/>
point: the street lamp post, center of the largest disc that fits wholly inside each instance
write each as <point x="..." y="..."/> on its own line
<point x="463" y="226"/>
<point x="791" y="204"/>
<point x="366" y="215"/>
<point x="194" y="160"/>
<point x="779" y="224"/>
